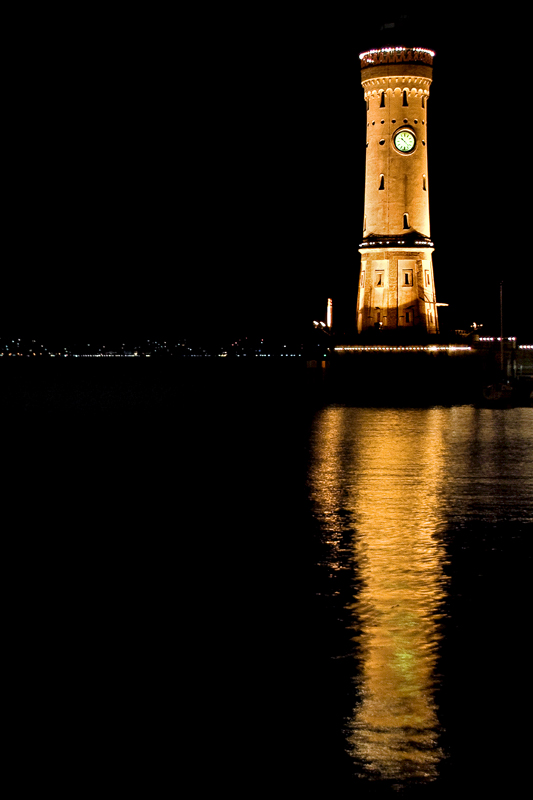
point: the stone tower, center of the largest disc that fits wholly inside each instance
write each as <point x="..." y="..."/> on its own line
<point x="396" y="286"/>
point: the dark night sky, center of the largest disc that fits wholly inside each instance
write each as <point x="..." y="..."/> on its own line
<point x="205" y="172"/>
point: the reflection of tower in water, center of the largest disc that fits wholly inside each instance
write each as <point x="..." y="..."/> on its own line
<point x="391" y="488"/>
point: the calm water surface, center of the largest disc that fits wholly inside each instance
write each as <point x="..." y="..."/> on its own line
<point x="233" y="586"/>
<point x="426" y="514"/>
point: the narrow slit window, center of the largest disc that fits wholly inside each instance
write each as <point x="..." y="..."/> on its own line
<point x="405" y="103"/>
<point x="423" y="101"/>
<point x="408" y="317"/>
<point x="363" y="279"/>
<point x="408" y="278"/>
<point x="406" y="222"/>
<point x="424" y="183"/>
<point x="427" y="277"/>
<point x="379" y="279"/>
<point x="382" y="102"/>
<point x="381" y="182"/>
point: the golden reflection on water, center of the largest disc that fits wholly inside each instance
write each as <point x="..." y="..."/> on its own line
<point x="384" y="467"/>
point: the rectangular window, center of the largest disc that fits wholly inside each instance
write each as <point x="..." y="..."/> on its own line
<point x="379" y="278"/>
<point x="427" y="277"/>
<point x="408" y="317"/>
<point x="363" y="279"/>
<point x="408" y="277"/>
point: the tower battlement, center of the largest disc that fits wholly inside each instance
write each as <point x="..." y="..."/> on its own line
<point x="396" y="55"/>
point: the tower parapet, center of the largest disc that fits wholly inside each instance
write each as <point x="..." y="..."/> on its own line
<point x="396" y="55"/>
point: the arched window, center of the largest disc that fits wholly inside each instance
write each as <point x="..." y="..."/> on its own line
<point x="382" y="103"/>
<point x="406" y="222"/>
<point x="405" y="103"/>
<point x="381" y="182"/>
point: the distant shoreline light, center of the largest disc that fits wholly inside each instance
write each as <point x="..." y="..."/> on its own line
<point x="398" y="349"/>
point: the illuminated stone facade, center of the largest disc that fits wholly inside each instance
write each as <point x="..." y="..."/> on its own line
<point x="396" y="284"/>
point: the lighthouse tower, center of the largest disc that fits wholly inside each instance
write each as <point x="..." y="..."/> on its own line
<point x="396" y="285"/>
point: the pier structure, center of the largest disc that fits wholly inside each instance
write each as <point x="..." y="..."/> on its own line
<point x="396" y="282"/>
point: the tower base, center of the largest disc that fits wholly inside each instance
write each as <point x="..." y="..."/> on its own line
<point x="397" y="290"/>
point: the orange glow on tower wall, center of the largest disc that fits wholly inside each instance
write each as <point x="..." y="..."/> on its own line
<point x="396" y="282"/>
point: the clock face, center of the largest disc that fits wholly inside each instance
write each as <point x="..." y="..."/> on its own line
<point x="405" y="141"/>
